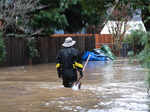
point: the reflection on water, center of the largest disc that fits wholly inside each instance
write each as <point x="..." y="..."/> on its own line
<point x="121" y="87"/>
<point x="107" y="87"/>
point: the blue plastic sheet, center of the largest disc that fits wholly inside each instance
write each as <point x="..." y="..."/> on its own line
<point x="94" y="57"/>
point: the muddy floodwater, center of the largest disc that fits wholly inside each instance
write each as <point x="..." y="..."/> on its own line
<point x="106" y="87"/>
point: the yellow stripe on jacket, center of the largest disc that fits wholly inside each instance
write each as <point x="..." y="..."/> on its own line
<point x="58" y="65"/>
<point x="79" y="65"/>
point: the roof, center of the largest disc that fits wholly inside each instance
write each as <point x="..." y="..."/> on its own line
<point x="135" y="23"/>
<point x="131" y="25"/>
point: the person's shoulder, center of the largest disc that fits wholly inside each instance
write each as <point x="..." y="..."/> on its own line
<point x="74" y="49"/>
<point x="62" y="49"/>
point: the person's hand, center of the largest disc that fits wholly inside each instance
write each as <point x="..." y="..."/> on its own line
<point x="59" y="73"/>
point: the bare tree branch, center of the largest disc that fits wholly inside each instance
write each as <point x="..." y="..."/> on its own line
<point x="118" y="27"/>
<point x="13" y="11"/>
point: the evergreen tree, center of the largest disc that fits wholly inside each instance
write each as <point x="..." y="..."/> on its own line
<point x="69" y="15"/>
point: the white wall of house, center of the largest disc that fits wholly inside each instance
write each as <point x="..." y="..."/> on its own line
<point x="135" y="23"/>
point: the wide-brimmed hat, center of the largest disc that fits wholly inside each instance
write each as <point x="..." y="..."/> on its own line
<point x="68" y="42"/>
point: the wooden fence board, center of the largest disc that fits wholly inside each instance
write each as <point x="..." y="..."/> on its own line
<point x="17" y="53"/>
<point x="71" y="35"/>
<point x="48" y="46"/>
<point x="103" y="39"/>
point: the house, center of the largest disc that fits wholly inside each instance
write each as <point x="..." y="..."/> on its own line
<point x="135" y="23"/>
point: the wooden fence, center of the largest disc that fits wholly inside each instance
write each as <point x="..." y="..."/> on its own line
<point x="103" y="39"/>
<point x="15" y="51"/>
<point x="48" y="47"/>
<point x="106" y="39"/>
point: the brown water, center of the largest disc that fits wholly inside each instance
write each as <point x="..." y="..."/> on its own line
<point x="106" y="87"/>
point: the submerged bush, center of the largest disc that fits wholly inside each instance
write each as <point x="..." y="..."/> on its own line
<point x="144" y="55"/>
<point x="2" y="48"/>
<point x="135" y="40"/>
<point x="142" y="40"/>
<point x="32" y="50"/>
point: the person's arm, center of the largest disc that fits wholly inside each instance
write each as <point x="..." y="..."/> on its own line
<point x="78" y="63"/>
<point x="79" y="67"/>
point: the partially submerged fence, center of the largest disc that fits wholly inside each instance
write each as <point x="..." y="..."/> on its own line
<point x="16" y="52"/>
<point x="106" y="39"/>
<point x="48" y="47"/>
<point x="103" y="39"/>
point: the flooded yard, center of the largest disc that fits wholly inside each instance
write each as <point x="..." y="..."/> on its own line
<point x="106" y="87"/>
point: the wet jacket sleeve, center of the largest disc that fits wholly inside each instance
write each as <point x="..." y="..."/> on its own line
<point x="58" y="65"/>
<point x="78" y="63"/>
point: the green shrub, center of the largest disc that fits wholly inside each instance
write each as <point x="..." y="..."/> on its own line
<point x="2" y="48"/>
<point x="142" y="39"/>
<point x="32" y="50"/>
<point x="144" y="55"/>
<point x="136" y="40"/>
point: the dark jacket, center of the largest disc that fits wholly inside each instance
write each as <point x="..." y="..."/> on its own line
<point x="68" y="63"/>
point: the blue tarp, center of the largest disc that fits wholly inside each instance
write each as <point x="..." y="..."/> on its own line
<point x="94" y="57"/>
<point x="101" y="54"/>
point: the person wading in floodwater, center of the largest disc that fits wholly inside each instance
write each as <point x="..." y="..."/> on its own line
<point x="69" y="63"/>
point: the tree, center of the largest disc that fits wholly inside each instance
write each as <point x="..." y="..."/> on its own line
<point x="117" y="27"/>
<point x="70" y="15"/>
<point x="142" y="38"/>
<point x="96" y="13"/>
<point x="30" y="16"/>
<point x="2" y="48"/>
<point x="144" y="5"/>
<point x="15" y="15"/>
<point x="50" y="18"/>
<point x="121" y="15"/>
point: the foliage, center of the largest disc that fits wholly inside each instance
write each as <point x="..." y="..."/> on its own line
<point x="32" y="16"/>
<point x="36" y="16"/>
<point x="95" y="10"/>
<point x="137" y="39"/>
<point x="144" y="5"/>
<point x="144" y="55"/>
<point x="16" y="14"/>
<point x="142" y="40"/>
<point x="70" y="15"/>
<point x="117" y="26"/>
<point x="2" y="48"/>
<point x="32" y="50"/>
<point x="52" y="17"/>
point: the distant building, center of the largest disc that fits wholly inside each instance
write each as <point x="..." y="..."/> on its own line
<point x="135" y="23"/>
